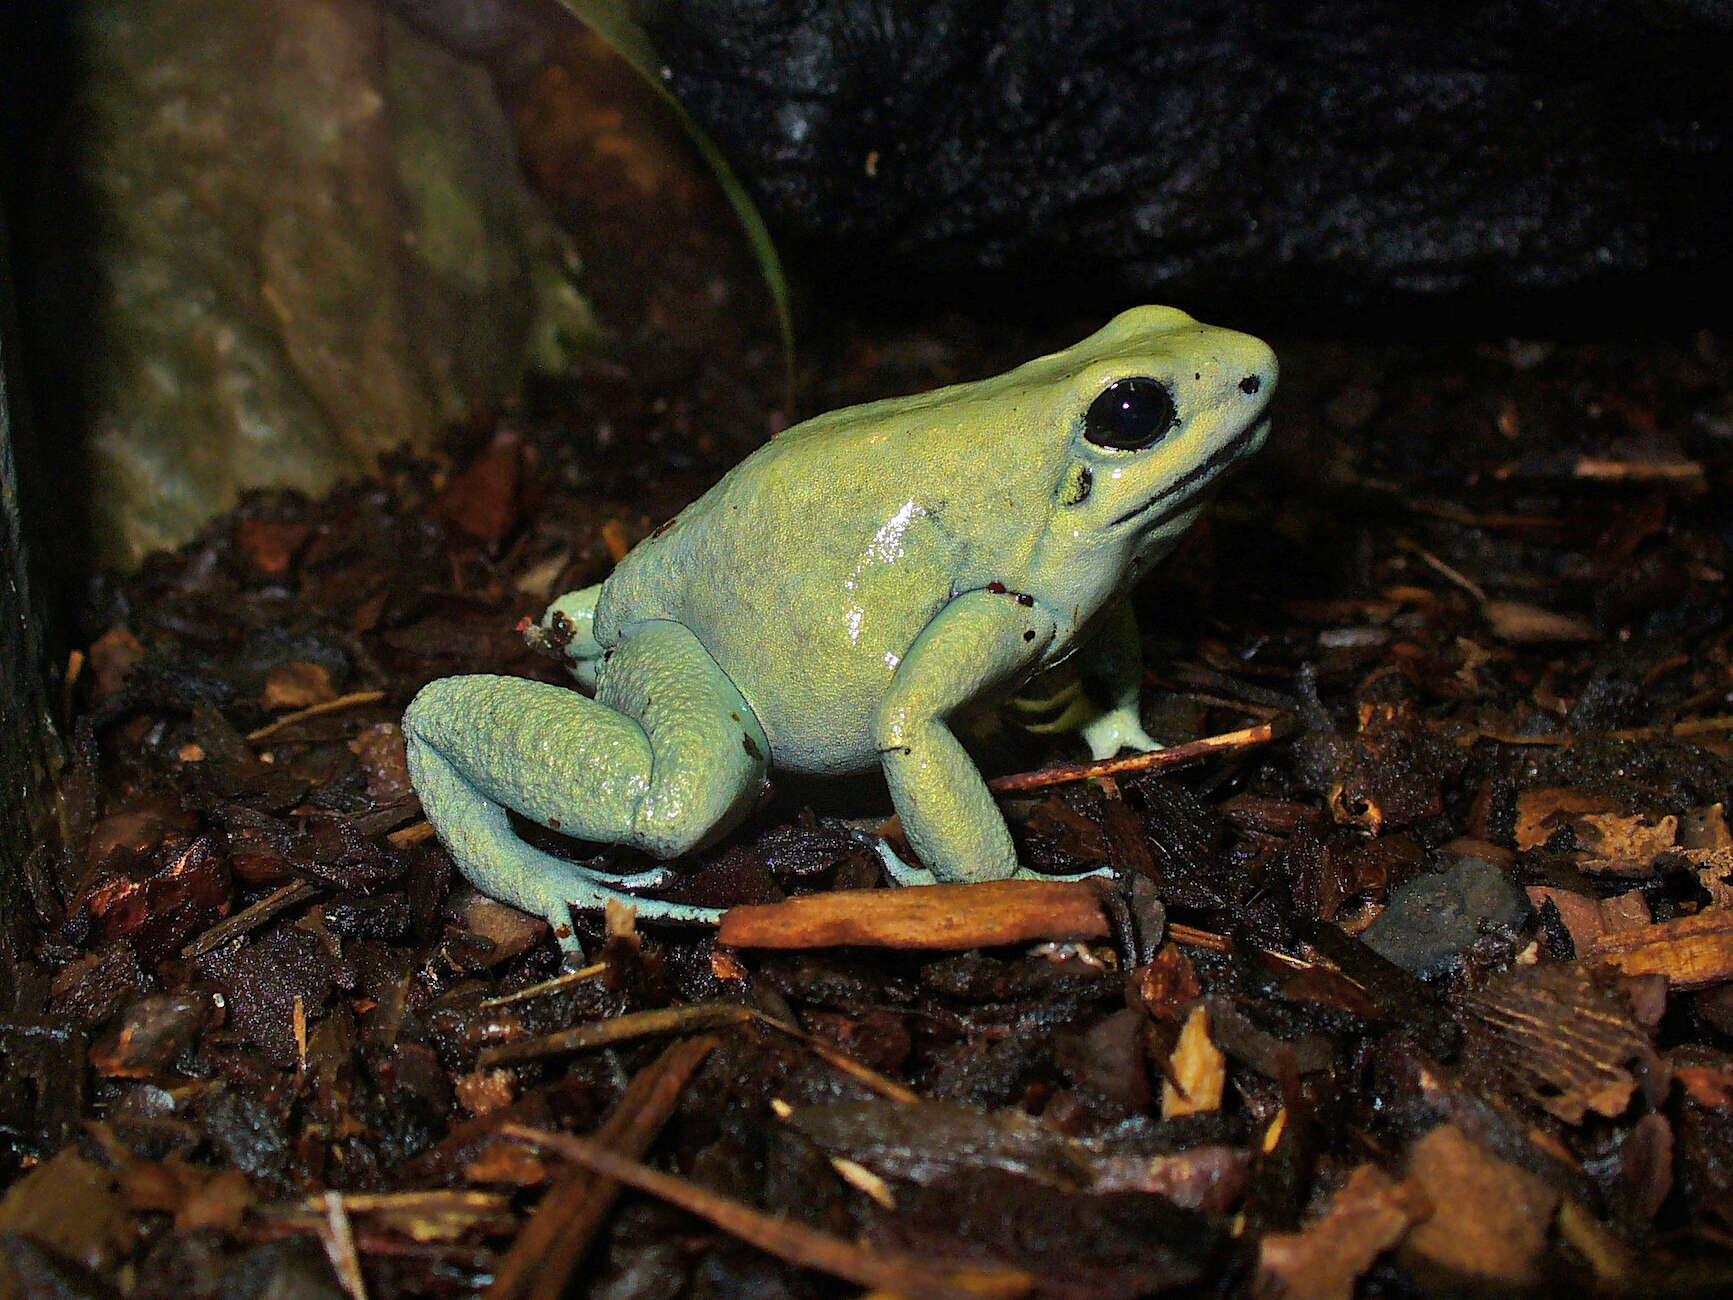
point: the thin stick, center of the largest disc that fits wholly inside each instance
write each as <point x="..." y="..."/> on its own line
<point x="794" y="1243"/>
<point x="1192" y="751"/>
<point x="339" y="1241"/>
<point x="316" y="710"/>
<point x="554" y="985"/>
<point x="552" y="1244"/>
<point x="692" y="1018"/>
<point x="249" y="918"/>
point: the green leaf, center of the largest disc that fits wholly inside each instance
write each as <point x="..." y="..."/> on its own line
<point x="612" y="20"/>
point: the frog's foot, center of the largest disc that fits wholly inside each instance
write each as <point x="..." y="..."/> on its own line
<point x="902" y="873"/>
<point x="553" y="888"/>
<point x="1116" y="729"/>
<point x="665" y="758"/>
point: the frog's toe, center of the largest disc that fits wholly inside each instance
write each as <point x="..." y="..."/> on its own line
<point x="900" y="872"/>
<point x="652" y="878"/>
<point x="1027" y="873"/>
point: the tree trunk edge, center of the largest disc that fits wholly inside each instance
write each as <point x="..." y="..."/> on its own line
<point x="30" y="748"/>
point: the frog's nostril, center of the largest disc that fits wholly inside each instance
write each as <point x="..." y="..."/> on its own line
<point x="1250" y="384"/>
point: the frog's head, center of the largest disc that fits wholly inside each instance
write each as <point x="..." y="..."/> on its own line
<point x="1151" y="411"/>
<point x="1143" y="419"/>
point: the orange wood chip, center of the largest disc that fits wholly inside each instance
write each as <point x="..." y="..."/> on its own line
<point x="1693" y="952"/>
<point x="942" y="917"/>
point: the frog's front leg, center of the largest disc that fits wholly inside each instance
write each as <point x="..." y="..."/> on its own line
<point x="1099" y="694"/>
<point x="665" y="758"/>
<point x="1112" y="671"/>
<point x="981" y="640"/>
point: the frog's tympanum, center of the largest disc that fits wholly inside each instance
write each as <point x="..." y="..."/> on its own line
<point x="830" y="603"/>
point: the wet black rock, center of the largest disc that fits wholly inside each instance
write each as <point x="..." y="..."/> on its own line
<point x="1326" y="154"/>
<point x="1433" y="918"/>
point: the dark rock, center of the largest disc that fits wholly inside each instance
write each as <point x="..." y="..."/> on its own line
<point x="1432" y="918"/>
<point x="1325" y="153"/>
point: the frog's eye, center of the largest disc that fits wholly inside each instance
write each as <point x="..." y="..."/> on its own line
<point x="1130" y="414"/>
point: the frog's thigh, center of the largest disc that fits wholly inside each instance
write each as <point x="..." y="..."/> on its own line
<point x="979" y="641"/>
<point x="480" y="745"/>
<point x="709" y="756"/>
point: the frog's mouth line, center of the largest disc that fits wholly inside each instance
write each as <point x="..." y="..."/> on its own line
<point x="1196" y="479"/>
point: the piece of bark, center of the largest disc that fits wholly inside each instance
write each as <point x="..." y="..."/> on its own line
<point x="942" y="917"/>
<point x="1569" y="1043"/>
<point x="1544" y="809"/>
<point x="689" y="1019"/>
<point x="1693" y="952"/>
<point x="1324" y="1260"/>
<point x="1581" y="913"/>
<point x="69" y="1205"/>
<point x="1627" y="911"/>
<point x="1490" y="1218"/>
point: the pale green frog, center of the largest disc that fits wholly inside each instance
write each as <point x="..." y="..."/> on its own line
<point x="828" y="606"/>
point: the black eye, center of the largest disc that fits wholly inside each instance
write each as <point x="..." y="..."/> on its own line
<point x="1130" y="415"/>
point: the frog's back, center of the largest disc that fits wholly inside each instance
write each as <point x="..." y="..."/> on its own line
<point x="809" y="570"/>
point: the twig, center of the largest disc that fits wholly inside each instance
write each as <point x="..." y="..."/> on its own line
<point x="694" y="1018"/>
<point x="315" y="711"/>
<point x="1191" y="751"/>
<point x="339" y="1241"/>
<point x="249" y="918"/>
<point x="794" y="1243"/>
<point x="552" y="1244"/>
<point x="554" y="985"/>
<point x="841" y="1061"/>
<point x="1438" y="566"/>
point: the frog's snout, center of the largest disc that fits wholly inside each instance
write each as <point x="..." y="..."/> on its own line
<point x="1261" y="369"/>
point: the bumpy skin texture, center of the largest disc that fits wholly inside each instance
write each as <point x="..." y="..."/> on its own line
<point x="829" y="604"/>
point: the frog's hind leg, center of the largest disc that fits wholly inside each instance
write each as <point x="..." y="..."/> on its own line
<point x="667" y="757"/>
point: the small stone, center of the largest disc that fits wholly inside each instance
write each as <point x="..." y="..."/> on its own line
<point x="1432" y="918"/>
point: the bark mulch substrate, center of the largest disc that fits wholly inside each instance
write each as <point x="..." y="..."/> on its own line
<point x="1434" y="990"/>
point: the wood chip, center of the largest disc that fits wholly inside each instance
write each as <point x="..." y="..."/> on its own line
<point x="1490" y="1218"/>
<point x="1197" y="1070"/>
<point x="1621" y="845"/>
<point x="1693" y="952"/>
<point x="69" y="1205"/>
<point x="1365" y="1218"/>
<point x="1519" y="622"/>
<point x="1545" y="809"/>
<point x="297" y="685"/>
<point x="926" y="917"/>
<point x="1568" y="1042"/>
